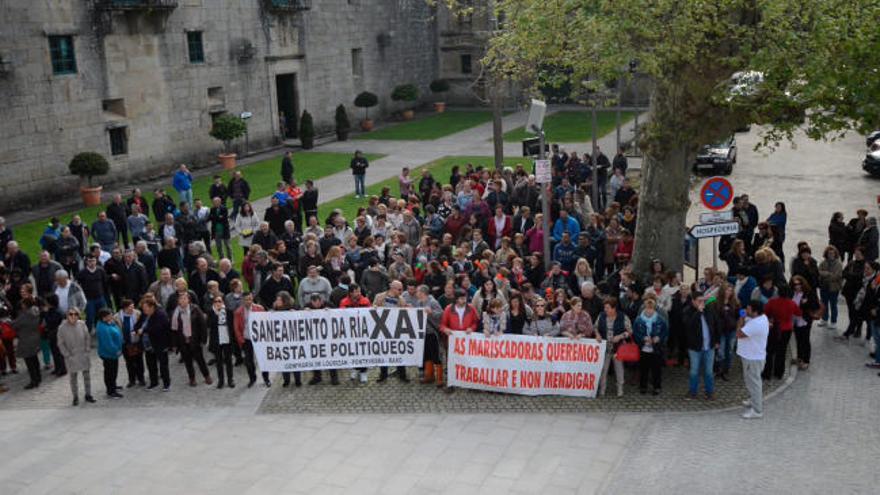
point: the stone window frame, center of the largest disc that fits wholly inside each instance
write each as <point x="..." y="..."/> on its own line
<point x="469" y="65"/>
<point x="118" y="135"/>
<point x="357" y="66"/>
<point x="62" y="64"/>
<point x="195" y="46"/>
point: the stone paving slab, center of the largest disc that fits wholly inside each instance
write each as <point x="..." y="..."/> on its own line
<point x="391" y="397"/>
<point x="394" y="396"/>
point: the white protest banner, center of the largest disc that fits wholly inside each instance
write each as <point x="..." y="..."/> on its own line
<point x="337" y="338"/>
<point x="524" y="364"/>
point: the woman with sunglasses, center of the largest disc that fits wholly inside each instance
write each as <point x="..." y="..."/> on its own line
<point x="543" y="324"/>
<point x="75" y="344"/>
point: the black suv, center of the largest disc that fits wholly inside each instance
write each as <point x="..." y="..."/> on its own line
<point x="717" y="158"/>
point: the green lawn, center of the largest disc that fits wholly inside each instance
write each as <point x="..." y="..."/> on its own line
<point x="433" y="127"/>
<point x="263" y="177"/>
<point x="572" y="126"/>
<point x="440" y="169"/>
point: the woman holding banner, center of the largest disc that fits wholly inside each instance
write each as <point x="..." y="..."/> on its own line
<point x="457" y="317"/>
<point x="433" y="363"/>
<point x="650" y="332"/>
<point x="614" y="327"/>
<point x="356" y="299"/>
<point x="243" y="337"/>
<point x="284" y="302"/>
<point x="543" y="325"/>
<point x="316" y="303"/>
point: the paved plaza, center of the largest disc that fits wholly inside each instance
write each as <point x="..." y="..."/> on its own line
<point x="819" y="433"/>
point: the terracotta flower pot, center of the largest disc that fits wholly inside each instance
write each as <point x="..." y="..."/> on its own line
<point x="227" y="160"/>
<point x="367" y="125"/>
<point x="91" y="196"/>
<point x="408" y="114"/>
<point x="440" y="106"/>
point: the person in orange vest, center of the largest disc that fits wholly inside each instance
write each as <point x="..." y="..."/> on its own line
<point x="294" y="193"/>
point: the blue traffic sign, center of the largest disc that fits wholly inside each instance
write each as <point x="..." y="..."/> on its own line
<point x="716" y="193"/>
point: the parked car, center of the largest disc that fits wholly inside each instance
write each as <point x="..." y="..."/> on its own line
<point x="871" y="164"/>
<point x="871" y="138"/>
<point x="717" y="158"/>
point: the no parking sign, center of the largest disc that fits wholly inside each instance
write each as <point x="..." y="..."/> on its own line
<point x="716" y="193"/>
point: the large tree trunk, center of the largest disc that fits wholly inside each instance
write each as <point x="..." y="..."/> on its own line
<point x="663" y="206"/>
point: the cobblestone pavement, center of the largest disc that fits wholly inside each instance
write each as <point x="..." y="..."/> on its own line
<point x="819" y="436"/>
<point x="54" y="392"/>
<point x="394" y="396"/>
<point x="233" y="451"/>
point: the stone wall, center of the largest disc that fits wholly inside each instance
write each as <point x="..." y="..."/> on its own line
<point x="141" y="58"/>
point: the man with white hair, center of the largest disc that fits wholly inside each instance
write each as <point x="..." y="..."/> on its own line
<point x="70" y="294"/>
<point x="591" y="302"/>
<point x="226" y="274"/>
<point x="16" y="259"/>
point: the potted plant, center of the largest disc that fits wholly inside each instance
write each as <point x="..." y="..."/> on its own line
<point x="342" y="124"/>
<point x="226" y="128"/>
<point x="87" y="165"/>
<point x="439" y="86"/>
<point x="307" y="131"/>
<point x="406" y="93"/>
<point x="366" y="100"/>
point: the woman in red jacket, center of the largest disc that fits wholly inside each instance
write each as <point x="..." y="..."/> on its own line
<point x="355" y="299"/>
<point x="781" y="311"/>
<point x="457" y="317"/>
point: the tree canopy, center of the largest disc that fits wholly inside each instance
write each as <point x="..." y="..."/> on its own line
<point x="816" y="64"/>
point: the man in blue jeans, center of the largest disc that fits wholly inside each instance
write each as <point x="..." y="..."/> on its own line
<point x="359" y="166"/>
<point x="182" y="182"/>
<point x="703" y="337"/>
<point x="93" y="281"/>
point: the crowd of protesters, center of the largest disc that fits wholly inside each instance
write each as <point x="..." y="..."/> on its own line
<point x="468" y="251"/>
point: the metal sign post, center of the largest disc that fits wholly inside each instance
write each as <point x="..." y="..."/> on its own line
<point x="535" y="125"/>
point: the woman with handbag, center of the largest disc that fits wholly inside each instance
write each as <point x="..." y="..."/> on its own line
<point x="132" y="350"/>
<point x="650" y="332"/>
<point x="614" y="327"/>
<point x="245" y="225"/>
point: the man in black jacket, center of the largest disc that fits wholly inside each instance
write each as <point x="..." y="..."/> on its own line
<point x="134" y="277"/>
<point x="118" y="213"/>
<point x="703" y="337"/>
<point x="359" y="166"/>
<point x="162" y="204"/>
<point x="276" y="215"/>
<point x="146" y="258"/>
<point x="310" y="200"/>
<point x="199" y="278"/>
<point x="274" y="284"/>
<point x="523" y="221"/>
<point x="287" y="167"/>
<point x="115" y="268"/>
<point x="93" y="280"/>
<point x="239" y="191"/>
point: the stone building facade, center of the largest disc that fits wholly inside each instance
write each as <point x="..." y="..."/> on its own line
<point x="140" y="81"/>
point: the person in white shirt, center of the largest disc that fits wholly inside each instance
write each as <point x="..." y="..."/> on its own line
<point x="752" y="348"/>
